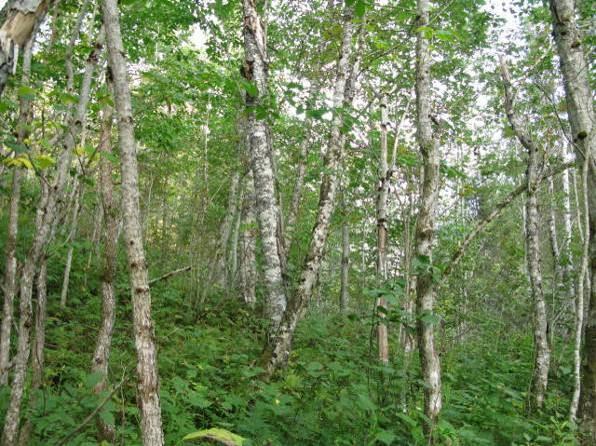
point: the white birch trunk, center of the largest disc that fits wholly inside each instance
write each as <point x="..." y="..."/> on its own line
<point x="582" y="119"/>
<point x="268" y="213"/>
<point x="383" y="183"/>
<point x="248" y="271"/>
<point x="542" y="355"/>
<point x="70" y="240"/>
<point x="148" y="385"/>
<point x="280" y="343"/>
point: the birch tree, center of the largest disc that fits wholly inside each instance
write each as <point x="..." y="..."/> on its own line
<point x="148" y="381"/>
<point x="542" y="356"/>
<point x="425" y="232"/>
<point x="255" y="71"/>
<point x="580" y="112"/>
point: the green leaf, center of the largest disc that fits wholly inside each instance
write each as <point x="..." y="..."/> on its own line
<point x="44" y="161"/>
<point x="385" y="437"/>
<point x="107" y="417"/>
<point x="26" y="92"/>
<point x="216" y="435"/>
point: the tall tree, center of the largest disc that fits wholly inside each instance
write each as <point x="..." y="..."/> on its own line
<point x="533" y="173"/>
<point x="425" y="226"/>
<point x="580" y="111"/>
<point x="148" y="380"/>
<point x="255" y="70"/>
<point x="280" y="344"/>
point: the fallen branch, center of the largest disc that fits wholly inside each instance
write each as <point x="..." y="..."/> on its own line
<point x="496" y="212"/>
<point x="170" y="274"/>
<point x="92" y="415"/>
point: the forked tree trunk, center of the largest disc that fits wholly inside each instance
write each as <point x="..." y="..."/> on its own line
<point x="148" y="385"/>
<point x="279" y="345"/>
<point x="425" y="232"/>
<point x="383" y="183"/>
<point x="101" y="356"/>
<point x="46" y="214"/>
<point x="580" y="111"/>
<point x="255" y="70"/>
<point x="541" y="345"/>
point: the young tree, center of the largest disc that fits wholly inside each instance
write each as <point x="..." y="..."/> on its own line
<point x="424" y="238"/>
<point x="580" y="112"/>
<point x="148" y="384"/>
<point x="533" y="173"/>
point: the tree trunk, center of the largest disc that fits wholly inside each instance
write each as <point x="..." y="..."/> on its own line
<point x="255" y="71"/>
<point x="37" y="349"/>
<point x="227" y="227"/>
<point x="580" y="111"/>
<point x="382" y="335"/>
<point x="78" y="186"/>
<point x="10" y="274"/>
<point x="148" y="386"/>
<point x="103" y="346"/>
<point x="279" y="345"/>
<point x="425" y="299"/>
<point x="248" y="271"/>
<point x="20" y="24"/>
<point x="344" y="295"/>
<point x="542" y="355"/>
<point x="579" y="306"/>
<point x="46" y="214"/>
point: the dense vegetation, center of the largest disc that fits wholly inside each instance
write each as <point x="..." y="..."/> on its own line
<point x="321" y="222"/>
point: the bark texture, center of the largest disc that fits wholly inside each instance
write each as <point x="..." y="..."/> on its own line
<point x="20" y="23"/>
<point x="101" y="356"/>
<point x="344" y="294"/>
<point x="148" y="385"/>
<point x="425" y="232"/>
<point x="255" y="70"/>
<point x="248" y="270"/>
<point x="280" y="343"/>
<point x="541" y="345"/>
<point x="580" y="111"/>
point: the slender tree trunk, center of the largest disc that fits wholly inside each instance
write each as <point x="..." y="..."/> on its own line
<point x="232" y="269"/>
<point x="148" y="386"/>
<point x="76" y="206"/>
<point x="425" y="298"/>
<point x="580" y="111"/>
<point x="248" y="271"/>
<point x="227" y="228"/>
<point x="101" y="356"/>
<point x="344" y="295"/>
<point x="10" y="274"/>
<point x="268" y="213"/>
<point x="47" y="212"/>
<point x="579" y="306"/>
<point x="382" y="335"/>
<point x="37" y="349"/>
<point x="542" y="355"/>
<point x="279" y="346"/>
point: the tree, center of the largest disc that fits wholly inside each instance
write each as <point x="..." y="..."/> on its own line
<point x="148" y="384"/>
